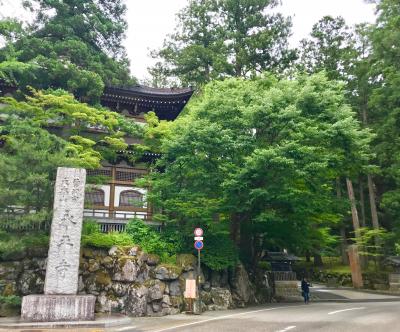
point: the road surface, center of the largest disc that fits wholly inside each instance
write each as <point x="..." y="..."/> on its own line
<point x="337" y="310"/>
<point x="324" y="317"/>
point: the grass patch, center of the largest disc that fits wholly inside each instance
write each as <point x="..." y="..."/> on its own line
<point x="92" y="237"/>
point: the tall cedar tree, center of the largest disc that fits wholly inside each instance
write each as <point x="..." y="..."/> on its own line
<point x="225" y="38"/>
<point x="75" y="45"/>
<point x="385" y="104"/>
<point x="343" y="54"/>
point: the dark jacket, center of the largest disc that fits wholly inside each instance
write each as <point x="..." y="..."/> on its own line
<point x="305" y="286"/>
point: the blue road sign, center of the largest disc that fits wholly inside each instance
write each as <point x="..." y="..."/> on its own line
<point x="198" y="245"/>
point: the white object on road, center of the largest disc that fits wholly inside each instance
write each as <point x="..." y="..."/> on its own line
<point x="343" y="310"/>
<point x="287" y="328"/>
<point x="126" y="328"/>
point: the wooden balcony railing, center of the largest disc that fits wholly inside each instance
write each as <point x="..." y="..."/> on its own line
<point x="283" y="275"/>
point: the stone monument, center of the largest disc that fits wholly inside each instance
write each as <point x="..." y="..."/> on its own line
<point x="60" y="301"/>
<point x="355" y="266"/>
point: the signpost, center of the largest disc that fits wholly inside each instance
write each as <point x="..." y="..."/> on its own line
<point x="198" y="244"/>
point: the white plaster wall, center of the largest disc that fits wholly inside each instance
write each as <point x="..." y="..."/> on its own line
<point x="106" y="189"/>
<point x="120" y="189"/>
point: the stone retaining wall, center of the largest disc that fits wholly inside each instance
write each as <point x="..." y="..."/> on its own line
<point x="129" y="281"/>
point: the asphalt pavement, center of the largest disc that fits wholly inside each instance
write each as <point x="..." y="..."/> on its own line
<point x="324" y="317"/>
<point x="332" y="310"/>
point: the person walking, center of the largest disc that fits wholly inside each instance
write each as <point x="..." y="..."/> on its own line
<point x="305" y="290"/>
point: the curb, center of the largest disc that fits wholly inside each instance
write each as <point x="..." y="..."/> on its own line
<point x="82" y="324"/>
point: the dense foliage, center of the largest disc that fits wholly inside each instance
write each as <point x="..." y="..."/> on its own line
<point x="261" y="158"/>
<point x="262" y="163"/>
<point x="73" y="45"/>
<point x="28" y="135"/>
<point x="217" y="39"/>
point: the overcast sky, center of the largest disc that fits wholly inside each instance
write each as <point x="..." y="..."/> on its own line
<point x="151" y="20"/>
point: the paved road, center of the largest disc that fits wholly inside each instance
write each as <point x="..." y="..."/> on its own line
<point x="324" y="317"/>
<point x="347" y="310"/>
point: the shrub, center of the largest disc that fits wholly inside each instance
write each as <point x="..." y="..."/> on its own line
<point x="219" y="252"/>
<point x="106" y="240"/>
<point x="11" y="300"/>
<point x="90" y="226"/>
<point x="163" y="244"/>
<point x="17" y="246"/>
<point x="264" y="265"/>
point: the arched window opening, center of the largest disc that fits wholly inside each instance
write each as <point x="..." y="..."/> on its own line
<point x="94" y="197"/>
<point x="131" y="198"/>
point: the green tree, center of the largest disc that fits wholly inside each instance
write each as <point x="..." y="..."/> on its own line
<point x="217" y="39"/>
<point x="73" y="45"/>
<point x="344" y="54"/>
<point x="329" y="48"/>
<point x="47" y="130"/>
<point x="257" y="38"/>
<point x="384" y="102"/>
<point x="258" y="158"/>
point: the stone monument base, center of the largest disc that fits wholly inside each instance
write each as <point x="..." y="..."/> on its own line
<point x="54" y="308"/>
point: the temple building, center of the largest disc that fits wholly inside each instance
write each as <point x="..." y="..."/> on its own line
<point x="115" y="203"/>
<point x="117" y="200"/>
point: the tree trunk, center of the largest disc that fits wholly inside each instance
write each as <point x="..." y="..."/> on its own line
<point x="362" y="203"/>
<point x="343" y="245"/>
<point x="308" y="256"/>
<point x="354" y="213"/>
<point x="235" y="228"/>
<point x="318" y="260"/>
<point x="372" y="202"/>
<point x="343" y="242"/>
<point x="371" y="189"/>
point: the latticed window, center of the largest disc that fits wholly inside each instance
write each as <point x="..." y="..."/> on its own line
<point x="94" y="197"/>
<point x="127" y="176"/>
<point x="131" y="198"/>
<point x="97" y="172"/>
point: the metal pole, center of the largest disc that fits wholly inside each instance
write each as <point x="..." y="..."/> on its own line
<point x="198" y="282"/>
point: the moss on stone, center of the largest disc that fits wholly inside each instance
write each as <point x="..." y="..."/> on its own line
<point x="107" y="261"/>
<point x="9" y="290"/>
<point x="87" y="252"/>
<point x="185" y="261"/>
<point x="153" y="259"/>
<point x="112" y="297"/>
<point x="123" y="259"/>
<point x="93" y="265"/>
<point x="103" y="278"/>
<point x="171" y="268"/>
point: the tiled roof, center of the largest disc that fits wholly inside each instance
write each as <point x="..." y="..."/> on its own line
<point x="149" y="91"/>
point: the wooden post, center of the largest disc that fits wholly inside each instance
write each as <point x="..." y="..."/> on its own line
<point x="355" y="266"/>
<point x="111" y="207"/>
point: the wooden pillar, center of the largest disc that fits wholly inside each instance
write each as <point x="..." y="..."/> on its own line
<point x="111" y="207"/>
